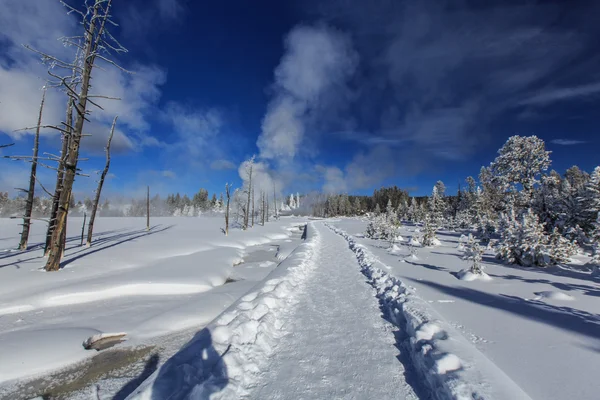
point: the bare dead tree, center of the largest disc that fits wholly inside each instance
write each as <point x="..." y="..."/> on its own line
<point x="267" y="204"/>
<point x="65" y="136"/>
<point x="227" y="192"/>
<point x="253" y="207"/>
<point x="262" y="196"/>
<point x="59" y="176"/>
<point x="249" y="166"/>
<point x="32" y="179"/>
<point x="97" y="43"/>
<point x="148" y="209"/>
<point x="83" y="228"/>
<point x="275" y="202"/>
<point x="100" y="184"/>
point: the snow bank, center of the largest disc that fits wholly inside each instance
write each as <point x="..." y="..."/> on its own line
<point x="225" y="358"/>
<point x="468" y="276"/>
<point x="450" y="367"/>
<point x="553" y="295"/>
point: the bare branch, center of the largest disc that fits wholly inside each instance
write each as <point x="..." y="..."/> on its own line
<point x="42" y="186"/>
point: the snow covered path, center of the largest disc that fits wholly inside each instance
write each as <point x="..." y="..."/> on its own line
<point x="339" y="346"/>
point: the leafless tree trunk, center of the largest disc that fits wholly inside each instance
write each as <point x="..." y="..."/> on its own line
<point x="32" y="179"/>
<point x="253" y="207"/>
<point x="83" y="228"/>
<point x="100" y="184"/>
<point x="148" y="209"/>
<point x="94" y="35"/>
<point x="59" y="182"/>
<point x="262" y="196"/>
<point x="227" y="187"/>
<point x="275" y="202"/>
<point x="267" y="203"/>
<point x="249" y="167"/>
<point x="65" y="136"/>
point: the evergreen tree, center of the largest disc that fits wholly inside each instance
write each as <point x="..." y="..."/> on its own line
<point x="523" y="240"/>
<point x="474" y="252"/>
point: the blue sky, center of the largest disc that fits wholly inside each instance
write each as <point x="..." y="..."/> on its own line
<point x="330" y="95"/>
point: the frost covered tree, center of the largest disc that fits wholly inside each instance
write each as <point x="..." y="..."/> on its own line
<point x="523" y="240"/>
<point x="377" y="209"/>
<point x="520" y="162"/>
<point x="429" y="238"/>
<point x="590" y="201"/>
<point x="474" y="252"/>
<point x="437" y="206"/>
<point x="560" y="249"/>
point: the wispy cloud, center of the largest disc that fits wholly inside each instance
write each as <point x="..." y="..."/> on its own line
<point x="563" y="94"/>
<point x="435" y="78"/>
<point x="567" y="142"/>
<point x="219" y="165"/>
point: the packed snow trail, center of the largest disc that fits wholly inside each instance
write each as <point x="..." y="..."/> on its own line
<point x="339" y="346"/>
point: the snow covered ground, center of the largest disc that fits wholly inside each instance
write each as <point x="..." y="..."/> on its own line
<point x="179" y="275"/>
<point x="539" y="326"/>
<point x="340" y="317"/>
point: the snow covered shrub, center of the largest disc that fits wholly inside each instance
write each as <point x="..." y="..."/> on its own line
<point x="485" y="229"/>
<point x="559" y="248"/>
<point x="372" y="231"/>
<point x="523" y="241"/>
<point x="577" y="234"/>
<point x="474" y="252"/>
<point x="429" y="238"/>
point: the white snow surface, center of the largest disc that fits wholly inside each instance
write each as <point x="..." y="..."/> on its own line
<point x="548" y="347"/>
<point x="312" y="330"/>
<point x="448" y="365"/>
<point x="144" y="284"/>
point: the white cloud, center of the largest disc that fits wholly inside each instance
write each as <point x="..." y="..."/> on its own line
<point x="563" y="94"/>
<point x="196" y="129"/>
<point x="222" y="165"/>
<point x="317" y="60"/>
<point x="567" y="142"/>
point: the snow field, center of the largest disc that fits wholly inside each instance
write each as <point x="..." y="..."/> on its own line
<point x="449" y="366"/>
<point x="240" y="340"/>
<point x="146" y="284"/>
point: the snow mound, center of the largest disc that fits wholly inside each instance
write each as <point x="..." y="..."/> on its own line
<point x="468" y="276"/>
<point x="412" y="257"/>
<point x="395" y="249"/>
<point x="553" y="295"/>
<point x="448" y="363"/>
<point x="414" y="241"/>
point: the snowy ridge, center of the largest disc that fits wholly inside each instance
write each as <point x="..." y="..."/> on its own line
<point x="225" y="358"/>
<point x="449" y="366"/>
